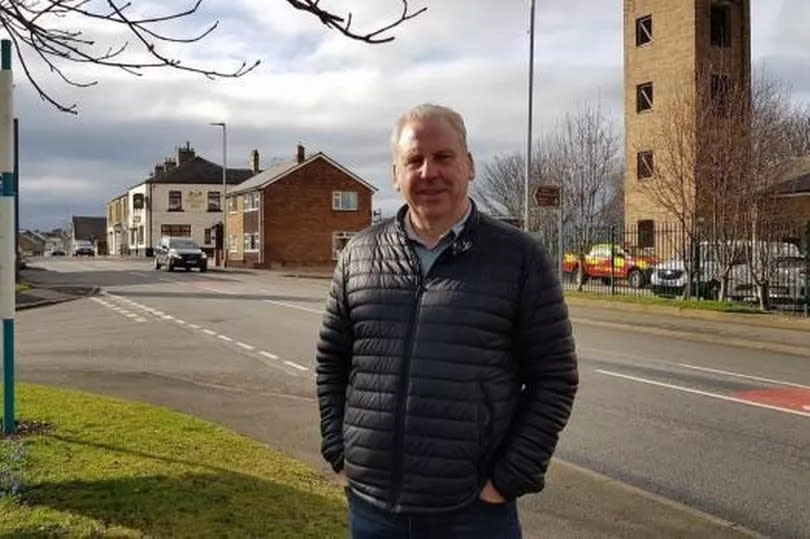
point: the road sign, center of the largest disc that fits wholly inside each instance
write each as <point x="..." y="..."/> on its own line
<point x="547" y="196"/>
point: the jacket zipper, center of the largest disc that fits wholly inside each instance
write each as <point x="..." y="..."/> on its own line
<point x="404" y="378"/>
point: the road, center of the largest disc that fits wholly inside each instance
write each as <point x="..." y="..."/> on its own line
<point x="721" y="429"/>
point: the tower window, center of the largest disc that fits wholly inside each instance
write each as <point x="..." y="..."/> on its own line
<point x="644" y="165"/>
<point x="646" y="234"/>
<point x="644" y="30"/>
<point x="720" y="26"/>
<point x="644" y="97"/>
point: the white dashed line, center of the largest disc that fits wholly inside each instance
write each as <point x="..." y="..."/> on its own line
<point x="225" y="338"/>
<point x="157" y="313"/>
<point x="194" y="326"/>
<point x="245" y="346"/>
<point x="296" y="366"/>
<point x="209" y="332"/>
<point x="131" y="315"/>
<point x="290" y="306"/>
<point x="181" y="322"/>
<point x="167" y="317"/>
<point x="268" y="354"/>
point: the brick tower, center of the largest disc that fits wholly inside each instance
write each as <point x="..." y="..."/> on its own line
<point x="674" y="48"/>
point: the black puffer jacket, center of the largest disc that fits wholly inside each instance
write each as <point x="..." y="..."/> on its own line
<point x="419" y="378"/>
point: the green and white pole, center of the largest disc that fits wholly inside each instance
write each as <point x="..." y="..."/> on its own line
<point x="7" y="254"/>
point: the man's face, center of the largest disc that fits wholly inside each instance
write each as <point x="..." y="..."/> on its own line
<point x="432" y="169"/>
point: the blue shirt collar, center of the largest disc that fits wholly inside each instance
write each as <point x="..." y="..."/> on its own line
<point x="455" y="230"/>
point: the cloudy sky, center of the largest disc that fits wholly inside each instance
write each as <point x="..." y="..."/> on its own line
<point x="338" y="96"/>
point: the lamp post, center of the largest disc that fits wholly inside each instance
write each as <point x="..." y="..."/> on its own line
<point x="529" y="135"/>
<point x="224" y="201"/>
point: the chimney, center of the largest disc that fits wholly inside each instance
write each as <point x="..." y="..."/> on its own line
<point x="301" y="154"/>
<point x="184" y="154"/>
<point x="158" y="170"/>
<point x="169" y="164"/>
<point x="254" y="161"/>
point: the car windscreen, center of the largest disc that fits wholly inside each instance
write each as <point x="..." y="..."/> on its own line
<point x="182" y="244"/>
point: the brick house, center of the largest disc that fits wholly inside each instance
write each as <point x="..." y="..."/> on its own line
<point x="298" y="213"/>
<point x="791" y="191"/>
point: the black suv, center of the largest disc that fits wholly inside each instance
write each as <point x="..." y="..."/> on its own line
<point x="176" y="252"/>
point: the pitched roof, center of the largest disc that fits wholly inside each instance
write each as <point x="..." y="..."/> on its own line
<point x="85" y="227"/>
<point x="280" y="171"/>
<point x="794" y="178"/>
<point x="199" y="170"/>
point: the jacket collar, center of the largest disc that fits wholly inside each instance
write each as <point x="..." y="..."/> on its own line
<point x="461" y="244"/>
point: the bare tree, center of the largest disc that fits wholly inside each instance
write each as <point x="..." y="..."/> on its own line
<point x="38" y="27"/>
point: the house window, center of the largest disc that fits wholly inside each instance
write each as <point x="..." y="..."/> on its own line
<point x="175" y="201"/>
<point x="644" y="97"/>
<point x="339" y="241"/>
<point x="137" y="201"/>
<point x="214" y="201"/>
<point x="207" y="236"/>
<point x="232" y="204"/>
<point x="140" y="235"/>
<point x="251" y="241"/>
<point x="233" y="245"/>
<point x="344" y="200"/>
<point x="720" y="86"/>
<point x="644" y="165"/>
<point x="644" y="30"/>
<point x="720" y="26"/>
<point x="646" y="234"/>
<point x="251" y="201"/>
<point x="182" y="231"/>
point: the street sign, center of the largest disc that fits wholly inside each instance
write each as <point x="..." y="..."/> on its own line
<point x="547" y="196"/>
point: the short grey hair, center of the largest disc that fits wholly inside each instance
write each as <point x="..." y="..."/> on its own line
<point x="428" y="110"/>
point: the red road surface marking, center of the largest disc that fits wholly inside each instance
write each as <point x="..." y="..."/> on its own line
<point x="788" y="398"/>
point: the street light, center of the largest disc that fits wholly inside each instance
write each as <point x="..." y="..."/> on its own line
<point x="224" y="201"/>
<point x="529" y="137"/>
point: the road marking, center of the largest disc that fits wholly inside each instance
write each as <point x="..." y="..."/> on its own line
<point x="194" y="326"/>
<point x="167" y="280"/>
<point x="296" y="366"/>
<point x="806" y="407"/>
<point x="288" y="305"/>
<point x="131" y="315"/>
<point x="218" y="291"/>
<point x="209" y="332"/>
<point x="747" y="377"/>
<point x="167" y="317"/>
<point x="268" y="354"/>
<point x="139" y="274"/>
<point x="157" y="313"/>
<point x="702" y="393"/>
<point x="139" y="319"/>
<point x="225" y="338"/>
<point x="181" y="322"/>
<point x="245" y="346"/>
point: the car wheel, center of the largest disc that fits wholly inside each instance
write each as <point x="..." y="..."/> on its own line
<point x="712" y="291"/>
<point x="170" y="266"/>
<point x="203" y="269"/>
<point x="635" y="279"/>
<point x="606" y="281"/>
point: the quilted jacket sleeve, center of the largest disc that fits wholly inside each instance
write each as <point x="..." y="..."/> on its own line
<point x="333" y="361"/>
<point x="548" y="369"/>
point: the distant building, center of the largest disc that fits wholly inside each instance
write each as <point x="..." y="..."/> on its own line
<point x="182" y="197"/>
<point x="301" y="212"/>
<point x="92" y="229"/>
<point x="791" y="188"/>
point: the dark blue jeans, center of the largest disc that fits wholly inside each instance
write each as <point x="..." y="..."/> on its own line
<point x="479" y="520"/>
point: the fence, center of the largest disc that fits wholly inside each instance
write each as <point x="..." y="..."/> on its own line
<point x="767" y="268"/>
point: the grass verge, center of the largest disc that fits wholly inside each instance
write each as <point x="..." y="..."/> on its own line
<point x="113" y="468"/>
<point x="22" y="286"/>
<point x="677" y="303"/>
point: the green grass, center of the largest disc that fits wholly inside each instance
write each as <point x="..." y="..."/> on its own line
<point x="22" y="286"/>
<point x="692" y="304"/>
<point x="113" y="468"/>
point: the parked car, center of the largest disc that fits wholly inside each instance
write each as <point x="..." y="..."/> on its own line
<point x="55" y="252"/>
<point x="176" y="252"/>
<point x="786" y="272"/>
<point x="635" y="269"/>
<point x="83" y="248"/>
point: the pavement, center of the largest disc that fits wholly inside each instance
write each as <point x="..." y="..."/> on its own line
<point x="578" y="503"/>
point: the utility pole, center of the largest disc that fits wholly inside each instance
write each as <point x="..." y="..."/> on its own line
<point x="8" y="257"/>
<point x="531" y="110"/>
<point x="224" y="201"/>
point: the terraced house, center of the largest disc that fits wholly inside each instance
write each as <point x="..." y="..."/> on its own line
<point x="297" y="213"/>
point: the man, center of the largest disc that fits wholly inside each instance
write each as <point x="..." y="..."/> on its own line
<point x="445" y="364"/>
